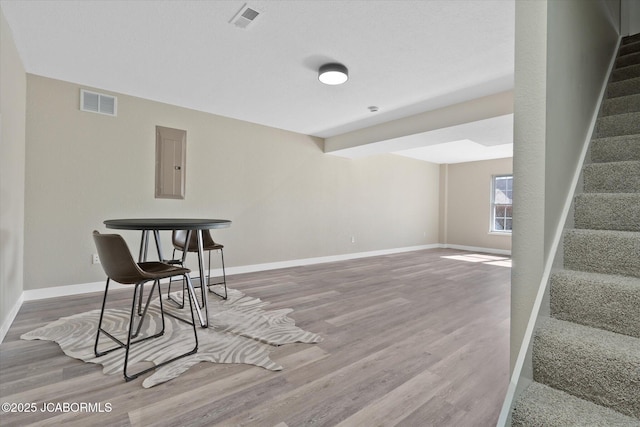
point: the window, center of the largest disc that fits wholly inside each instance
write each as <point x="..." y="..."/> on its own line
<point x="502" y="203"/>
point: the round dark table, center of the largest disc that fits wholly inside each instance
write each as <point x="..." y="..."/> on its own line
<point x="159" y="224"/>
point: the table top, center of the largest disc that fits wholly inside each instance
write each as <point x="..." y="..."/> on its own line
<point x="166" y="223"/>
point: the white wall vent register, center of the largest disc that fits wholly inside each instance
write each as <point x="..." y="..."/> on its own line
<point x="98" y="103"/>
<point x="245" y="16"/>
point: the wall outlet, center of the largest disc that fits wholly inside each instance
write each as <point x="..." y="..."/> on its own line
<point x="95" y="259"/>
<point x="353" y="239"/>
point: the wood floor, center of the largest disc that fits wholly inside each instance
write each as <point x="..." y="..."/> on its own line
<point x="411" y="339"/>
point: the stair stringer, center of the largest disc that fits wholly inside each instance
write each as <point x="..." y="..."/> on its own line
<point x="522" y="375"/>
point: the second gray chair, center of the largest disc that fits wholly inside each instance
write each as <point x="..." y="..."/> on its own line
<point x="179" y="240"/>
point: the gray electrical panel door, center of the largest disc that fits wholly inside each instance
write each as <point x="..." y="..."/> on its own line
<point x="171" y="150"/>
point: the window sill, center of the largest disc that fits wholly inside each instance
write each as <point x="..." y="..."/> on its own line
<point x="500" y="233"/>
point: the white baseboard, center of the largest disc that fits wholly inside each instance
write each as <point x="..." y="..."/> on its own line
<point x="83" y="288"/>
<point x="60" y="291"/>
<point x="10" y="318"/>
<point x="321" y="260"/>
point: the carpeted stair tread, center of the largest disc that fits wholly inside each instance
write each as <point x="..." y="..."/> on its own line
<point x="603" y="301"/>
<point x="602" y="251"/>
<point x="626" y="60"/>
<point x="615" y="149"/>
<point x="619" y="124"/>
<point x="607" y="211"/>
<point x="623" y="87"/>
<point x="612" y="177"/>
<point x="621" y="104"/>
<point x="630" y="47"/>
<point x="592" y="364"/>
<point x="541" y="405"/>
<point x="624" y="73"/>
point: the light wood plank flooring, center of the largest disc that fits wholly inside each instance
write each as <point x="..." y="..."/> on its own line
<point x="411" y="339"/>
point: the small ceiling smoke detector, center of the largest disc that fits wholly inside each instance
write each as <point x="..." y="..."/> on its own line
<point x="333" y="74"/>
<point x="245" y="16"/>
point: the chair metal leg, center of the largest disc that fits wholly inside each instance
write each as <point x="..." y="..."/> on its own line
<point x="146" y="307"/>
<point x="119" y="343"/>
<point x="188" y="353"/>
<point x="169" y="297"/>
<point x="104" y="301"/>
<point x="128" y="345"/>
<point x="224" y="277"/>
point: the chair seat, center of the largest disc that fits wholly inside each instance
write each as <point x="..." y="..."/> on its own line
<point x="212" y="246"/>
<point x="160" y="270"/>
<point x="206" y="246"/>
<point x="151" y="271"/>
<point x="180" y="236"/>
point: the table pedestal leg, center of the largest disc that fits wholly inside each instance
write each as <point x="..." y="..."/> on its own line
<point x="204" y="319"/>
<point x="203" y="278"/>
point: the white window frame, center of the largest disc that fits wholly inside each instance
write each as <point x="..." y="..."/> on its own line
<point x="494" y="204"/>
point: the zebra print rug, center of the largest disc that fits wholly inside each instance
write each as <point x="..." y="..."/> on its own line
<point x="240" y="331"/>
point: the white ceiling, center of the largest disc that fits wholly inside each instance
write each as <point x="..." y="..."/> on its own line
<point x="405" y="57"/>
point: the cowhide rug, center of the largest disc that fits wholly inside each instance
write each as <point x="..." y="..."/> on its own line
<point x="240" y="331"/>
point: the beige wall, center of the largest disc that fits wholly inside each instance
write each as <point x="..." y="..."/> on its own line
<point x="630" y="21"/>
<point x="13" y="85"/>
<point x="563" y="50"/>
<point x="287" y="199"/>
<point x="468" y="204"/>
<point x="581" y="39"/>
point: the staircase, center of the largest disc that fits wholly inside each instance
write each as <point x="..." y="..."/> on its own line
<point x="586" y="356"/>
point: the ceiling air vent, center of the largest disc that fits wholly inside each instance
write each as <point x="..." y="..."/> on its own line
<point x="98" y="103"/>
<point x="244" y="17"/>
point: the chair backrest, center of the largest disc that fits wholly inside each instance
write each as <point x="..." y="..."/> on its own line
<point x="116" y="258"/>
<point x="179" y="239"/>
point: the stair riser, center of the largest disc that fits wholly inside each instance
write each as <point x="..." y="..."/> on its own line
<point x="589" y="369"/>
<point x="621" y="105"/>
<point x="629" y="48"/>
<point x="623" y="88"/>
<point x="597" y="211"/>
<point x="618" y="177"/>
<point x="626" y="60"/>
<point x="603" y="252"/>
<point x="619" y="124"/>
<point x="540" y="405"/>
<point x="626" y="73"/>
<point x="630" y="39"/>
<point x="599" y="301"/>
<point x="616" y="149"/>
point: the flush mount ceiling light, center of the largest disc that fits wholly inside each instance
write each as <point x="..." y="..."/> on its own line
<point x="333" y="74"/>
